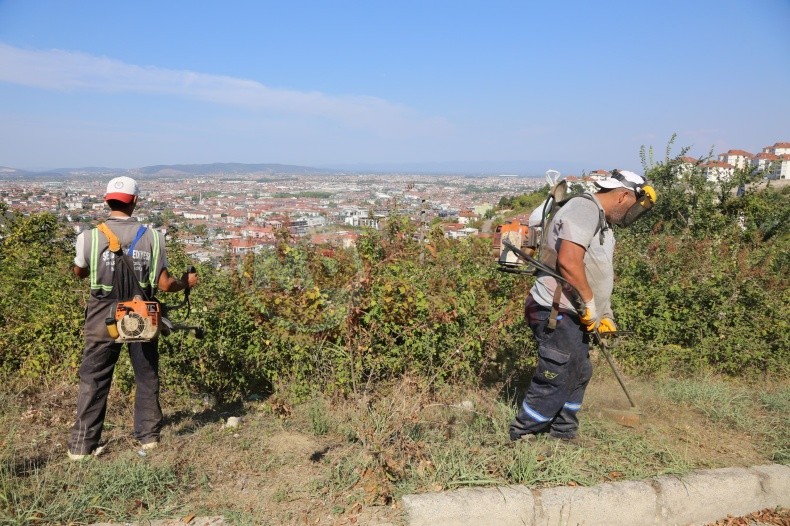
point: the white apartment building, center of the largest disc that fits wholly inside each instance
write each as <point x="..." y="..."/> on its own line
<point x="717" y="171"/>
<point x="780" y="148"/>
<point x="773" y="162"/>
<point x="737" y="158"/>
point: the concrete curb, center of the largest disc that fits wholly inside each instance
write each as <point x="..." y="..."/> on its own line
<point x="697" y="498"/>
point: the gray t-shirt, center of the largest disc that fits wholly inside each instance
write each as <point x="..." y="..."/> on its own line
<point x="577" y="221"/>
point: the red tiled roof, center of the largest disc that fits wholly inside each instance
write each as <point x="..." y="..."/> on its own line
<point x="782" y="145"/>
<point x="242" y="243"/>
<point x="742" y="153"/>
<point x="717" y="164"/>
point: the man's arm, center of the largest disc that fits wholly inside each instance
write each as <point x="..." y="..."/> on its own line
<point x="80" y="269"/>
<point x="570" y="262"/>
<point x="168" y="283"/>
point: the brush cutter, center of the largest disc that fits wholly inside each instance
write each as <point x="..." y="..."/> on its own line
<point x="628" y="418"/>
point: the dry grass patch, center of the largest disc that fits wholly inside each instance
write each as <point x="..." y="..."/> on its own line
<point x="332" y="461"/>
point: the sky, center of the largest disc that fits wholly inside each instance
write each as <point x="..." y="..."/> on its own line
<point x="509" y="85"/>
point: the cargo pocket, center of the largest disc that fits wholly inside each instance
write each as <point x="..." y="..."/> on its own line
<point x="552" y="366"/>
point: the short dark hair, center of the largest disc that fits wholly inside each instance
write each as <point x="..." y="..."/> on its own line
<point x="116" y="205"/>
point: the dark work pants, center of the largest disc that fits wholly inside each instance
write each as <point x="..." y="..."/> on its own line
<point x="98" y="363"/>
<point x="556" y="392"/>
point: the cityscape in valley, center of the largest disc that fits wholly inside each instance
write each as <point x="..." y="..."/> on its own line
<point x="237" y="209"/>
<point x="220" y="213"/>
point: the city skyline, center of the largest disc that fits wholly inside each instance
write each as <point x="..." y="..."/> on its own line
<point x="511" y="87"/>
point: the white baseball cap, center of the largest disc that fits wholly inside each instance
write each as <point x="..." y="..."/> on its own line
<point x="122" y="189"/>
<point x="622" y="179"/>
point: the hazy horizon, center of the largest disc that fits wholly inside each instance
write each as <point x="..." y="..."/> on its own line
<point x="376" y="84"/>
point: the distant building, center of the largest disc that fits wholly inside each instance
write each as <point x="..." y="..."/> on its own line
<point x="717" y="171"/>
<point x="369" y="222"/>
<point x="457" y="231"/>
<point x="780" y="148"/>
<point x="684" y="166"/>
<point x="467" y="216"/>
<point x="351" y="216"/>
<point x="774" y="161"/>
<point x="737" y="158"/>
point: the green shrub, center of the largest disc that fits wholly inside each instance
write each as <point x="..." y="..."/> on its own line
<point x="703" y="282"/>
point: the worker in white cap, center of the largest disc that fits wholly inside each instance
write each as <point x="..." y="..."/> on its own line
<point x="99" y="253"/>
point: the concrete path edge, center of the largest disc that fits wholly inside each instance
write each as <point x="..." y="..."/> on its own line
<point x="698" y="497"/>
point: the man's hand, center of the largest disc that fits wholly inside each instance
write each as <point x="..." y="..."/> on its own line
<point x="190" y="279"/>
<point x="590" y="316"/>
<point x="168" y="283"/>
<point x="607" y="326"/>
<point x="80" y="272"/>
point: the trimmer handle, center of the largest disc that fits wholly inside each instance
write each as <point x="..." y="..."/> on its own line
<point x="190" y="270"/>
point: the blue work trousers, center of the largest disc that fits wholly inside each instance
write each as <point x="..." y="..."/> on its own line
<point x="556" y="392"/>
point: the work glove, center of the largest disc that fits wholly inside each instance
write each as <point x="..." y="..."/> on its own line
<point x="590" y="316"/>
<point x="607" y="326"/>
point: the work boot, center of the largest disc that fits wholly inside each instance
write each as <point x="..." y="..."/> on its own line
<point x="150" y="445"/>
<point x="527" y="437"/>
<point x="77" y="456"/>
<point x="565" y="438"/>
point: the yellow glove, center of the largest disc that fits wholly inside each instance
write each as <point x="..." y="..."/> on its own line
<point x="590" y="317"/>
<point x="607" y="326"/>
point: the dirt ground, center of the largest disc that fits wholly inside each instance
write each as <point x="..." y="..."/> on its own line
<point x="280" y="467"/>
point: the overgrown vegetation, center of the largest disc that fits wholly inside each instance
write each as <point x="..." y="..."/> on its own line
<point x="393" y="368"/>
<point x="703" y="282"/>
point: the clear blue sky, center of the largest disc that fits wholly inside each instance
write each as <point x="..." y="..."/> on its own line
<point x="586" y="83"/>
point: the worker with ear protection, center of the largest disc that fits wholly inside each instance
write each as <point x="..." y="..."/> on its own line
<point x="581" y="240"/>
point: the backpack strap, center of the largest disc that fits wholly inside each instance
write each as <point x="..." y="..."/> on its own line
<point x="115" y="244"/>
<point x="555" y="308"/>
<point x="602" y="226"/>
<point x="140" y="232"/>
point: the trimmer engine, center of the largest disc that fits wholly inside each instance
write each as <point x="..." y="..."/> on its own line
<point x="135" y="321"/>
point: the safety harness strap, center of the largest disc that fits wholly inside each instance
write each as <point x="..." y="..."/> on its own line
<point x="555" y="308"/>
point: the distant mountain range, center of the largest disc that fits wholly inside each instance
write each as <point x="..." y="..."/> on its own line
<point x="171" y="170"/>
<point x="177" y="170"/>
<point x="460" y="168"/>
<point x="470" y="168"/>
